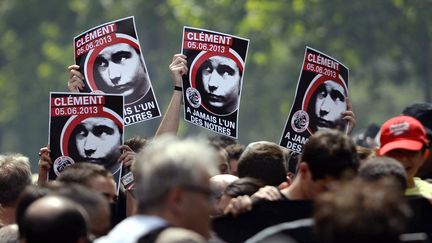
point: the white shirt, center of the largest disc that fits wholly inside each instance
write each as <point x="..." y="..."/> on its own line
<point x="132" y="228"/>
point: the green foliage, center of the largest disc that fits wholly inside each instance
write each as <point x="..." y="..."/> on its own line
<point x="386" y="44"/>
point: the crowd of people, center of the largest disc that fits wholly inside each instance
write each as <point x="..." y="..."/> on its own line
<point x="339" y="189"/>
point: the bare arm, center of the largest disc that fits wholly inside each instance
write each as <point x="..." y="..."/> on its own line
<point x="171" y="118"/>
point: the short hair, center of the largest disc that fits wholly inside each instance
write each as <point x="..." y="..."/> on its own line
<point x="136" y="143"/>
<point x="30" y="194"/>
<point x="235" y="150"/>
<point x="243" y="186"/>
<point x="167" y="162"/>
<point x="221" y="140"/>
<point x="82" y="173"/>
<point x="93" y="203"/>
<point x="264" y="161"/>
<point x="15" y="175"/>
<point x="66" y="221"/>
<point x="381" y="166"/>
<point x="331" y="153"/>
<point x="345" y="214"/>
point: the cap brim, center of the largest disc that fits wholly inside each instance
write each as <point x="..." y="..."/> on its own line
<point x="413" y="145"/>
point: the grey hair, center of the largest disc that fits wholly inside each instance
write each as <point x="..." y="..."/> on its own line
<point x="15" y="175"/>
<point x="168" y="162"/>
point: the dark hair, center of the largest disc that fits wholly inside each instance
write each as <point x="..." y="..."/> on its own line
<point x="382" y="166"/>
<point x="361" y="211"/>
<point x="27" y="197"/>
<point x="235" y="150"/>
<point x="264" y="161"/>
<point x="136" y="143"/>
<point x="65" y="223"/>
<point x="243" y="186"/>
<point x="82" y="172"/>
<point x="221" y="141"/>
<point x="330" y="153"/>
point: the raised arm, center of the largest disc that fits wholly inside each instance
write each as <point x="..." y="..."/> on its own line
<point x="171" y="118"/>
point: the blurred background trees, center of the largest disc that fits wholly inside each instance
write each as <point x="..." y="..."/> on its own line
<point x="386" y="44"/>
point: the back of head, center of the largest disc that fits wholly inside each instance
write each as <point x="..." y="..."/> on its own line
<point x="168" y="162"/>
<point x="360" y="211"/>
<point x="383" y="167"/>
<point x="53" y="219"/>
<point x="243" y="186"/>
<point x="82" y="172"/>
<point x="15" y="175"/>
<point x="30" y="194"/>
<point x="95" y="205"/>
<point x="136" y="143"/>
<point x="423" y="113"/>
<point x="330" y="153"/>
<point x="264" y="161"/>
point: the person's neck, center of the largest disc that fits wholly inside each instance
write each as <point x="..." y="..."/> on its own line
<point x="7" y="215"/>
<point x="297" y="191"/>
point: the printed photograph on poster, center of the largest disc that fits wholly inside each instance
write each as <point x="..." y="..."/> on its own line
<point x="320" y="99"/>
<point x="111" y="60"/>
<point x="212" y="87"/>
<point x="85" y="128"/>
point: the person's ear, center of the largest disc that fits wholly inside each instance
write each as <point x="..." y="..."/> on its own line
<point x="174" y="198"/>
<point x="303" y="171"/>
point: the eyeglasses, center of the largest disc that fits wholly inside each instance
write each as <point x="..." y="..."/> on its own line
<point x="199" y="189"/>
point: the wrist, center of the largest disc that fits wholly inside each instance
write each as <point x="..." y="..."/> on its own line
<point x="178" y="88"/>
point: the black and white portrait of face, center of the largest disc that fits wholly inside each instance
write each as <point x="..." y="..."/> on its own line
<point x="121" y="70"/>
<point x="219" y="83"/>
<point x="97" y="140"/>
<point x="326" y="106"/>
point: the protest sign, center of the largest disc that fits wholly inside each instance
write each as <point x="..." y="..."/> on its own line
<point x="85" y="128"/>
<point x="111" y="60"/>
<point x="212" y="87"/>
<point x="320" y="98"/>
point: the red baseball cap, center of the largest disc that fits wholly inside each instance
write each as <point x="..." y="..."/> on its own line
<point x="402" y="132"/>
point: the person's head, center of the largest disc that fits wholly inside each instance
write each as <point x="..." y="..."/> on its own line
<point x="361" y="211"/>
<point x="97" y="140"/>
<point x="423" y="113"/>
<point x="218" y="183"/>
<point x="222" y="158"/>
<point x="264" y="161"/>
<point x="404" y="139"/>
<point x="122" y="71"/>
<point x="234" y="152"/>
<point x="219" y="83"/>
<point x="173" y="182"/>
<point x="95" y="177"/>
<point x="330" y="154"/>
<point x="95" y="205"/>
<point x="383" y="167"/>
<point x="326" y="106"/>
<point x="136" y="143"/>
<point x="54" y="219"/>
<point x="30" y="194"/>
<point x="15" y="175"/>
<point x="240" y="187"/>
